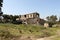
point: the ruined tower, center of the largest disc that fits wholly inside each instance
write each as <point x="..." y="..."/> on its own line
<point x="1" y="1"/>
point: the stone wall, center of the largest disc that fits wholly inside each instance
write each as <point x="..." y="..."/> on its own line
<point x="26" y="16"/>
<point x="32" y="18"/>
<point x="46" y="25"/>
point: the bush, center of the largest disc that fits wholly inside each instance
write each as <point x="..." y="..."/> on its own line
<point x="17" y="22"/>
<point x="14" y="32"/>
<point x="5" y="34"/>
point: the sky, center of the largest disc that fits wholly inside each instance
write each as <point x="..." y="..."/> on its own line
<point x="43" y="7"/>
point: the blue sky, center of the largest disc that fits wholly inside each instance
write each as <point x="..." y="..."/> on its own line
<point x="43" y="7"/>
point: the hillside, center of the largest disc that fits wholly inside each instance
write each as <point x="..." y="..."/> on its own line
<point x="27" y="32"/>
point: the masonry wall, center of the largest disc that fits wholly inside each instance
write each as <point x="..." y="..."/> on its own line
<point x="32" y="18"/>
<point x="26" y="16"/>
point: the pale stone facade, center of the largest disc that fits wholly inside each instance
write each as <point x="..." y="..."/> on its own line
<point x="26" y="16"/>
<point x="46" y="25"/>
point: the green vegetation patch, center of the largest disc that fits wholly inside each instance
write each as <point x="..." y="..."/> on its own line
<point x="27" y="30"/>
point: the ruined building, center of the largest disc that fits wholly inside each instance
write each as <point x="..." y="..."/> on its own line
<point x="27" y="16"/>
<point x="31" y="18"/>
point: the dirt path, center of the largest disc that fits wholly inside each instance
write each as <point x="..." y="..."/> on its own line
<point x="40" y="39"/>
<point x="47" y="38"/>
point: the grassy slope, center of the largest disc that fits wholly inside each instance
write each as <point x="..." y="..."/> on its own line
<point x="12" y="30"/>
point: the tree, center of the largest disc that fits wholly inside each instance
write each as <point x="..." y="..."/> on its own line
<point x="14" y="17"/>
<point x="6" y="18"/>
<point x="48" y="18"/>
<point x="59" y="19"/>
<point x="52" y="18"/>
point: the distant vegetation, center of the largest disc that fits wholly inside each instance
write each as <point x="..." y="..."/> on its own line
<point x="51" y="19"/>
<point x="12" y="19"/>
